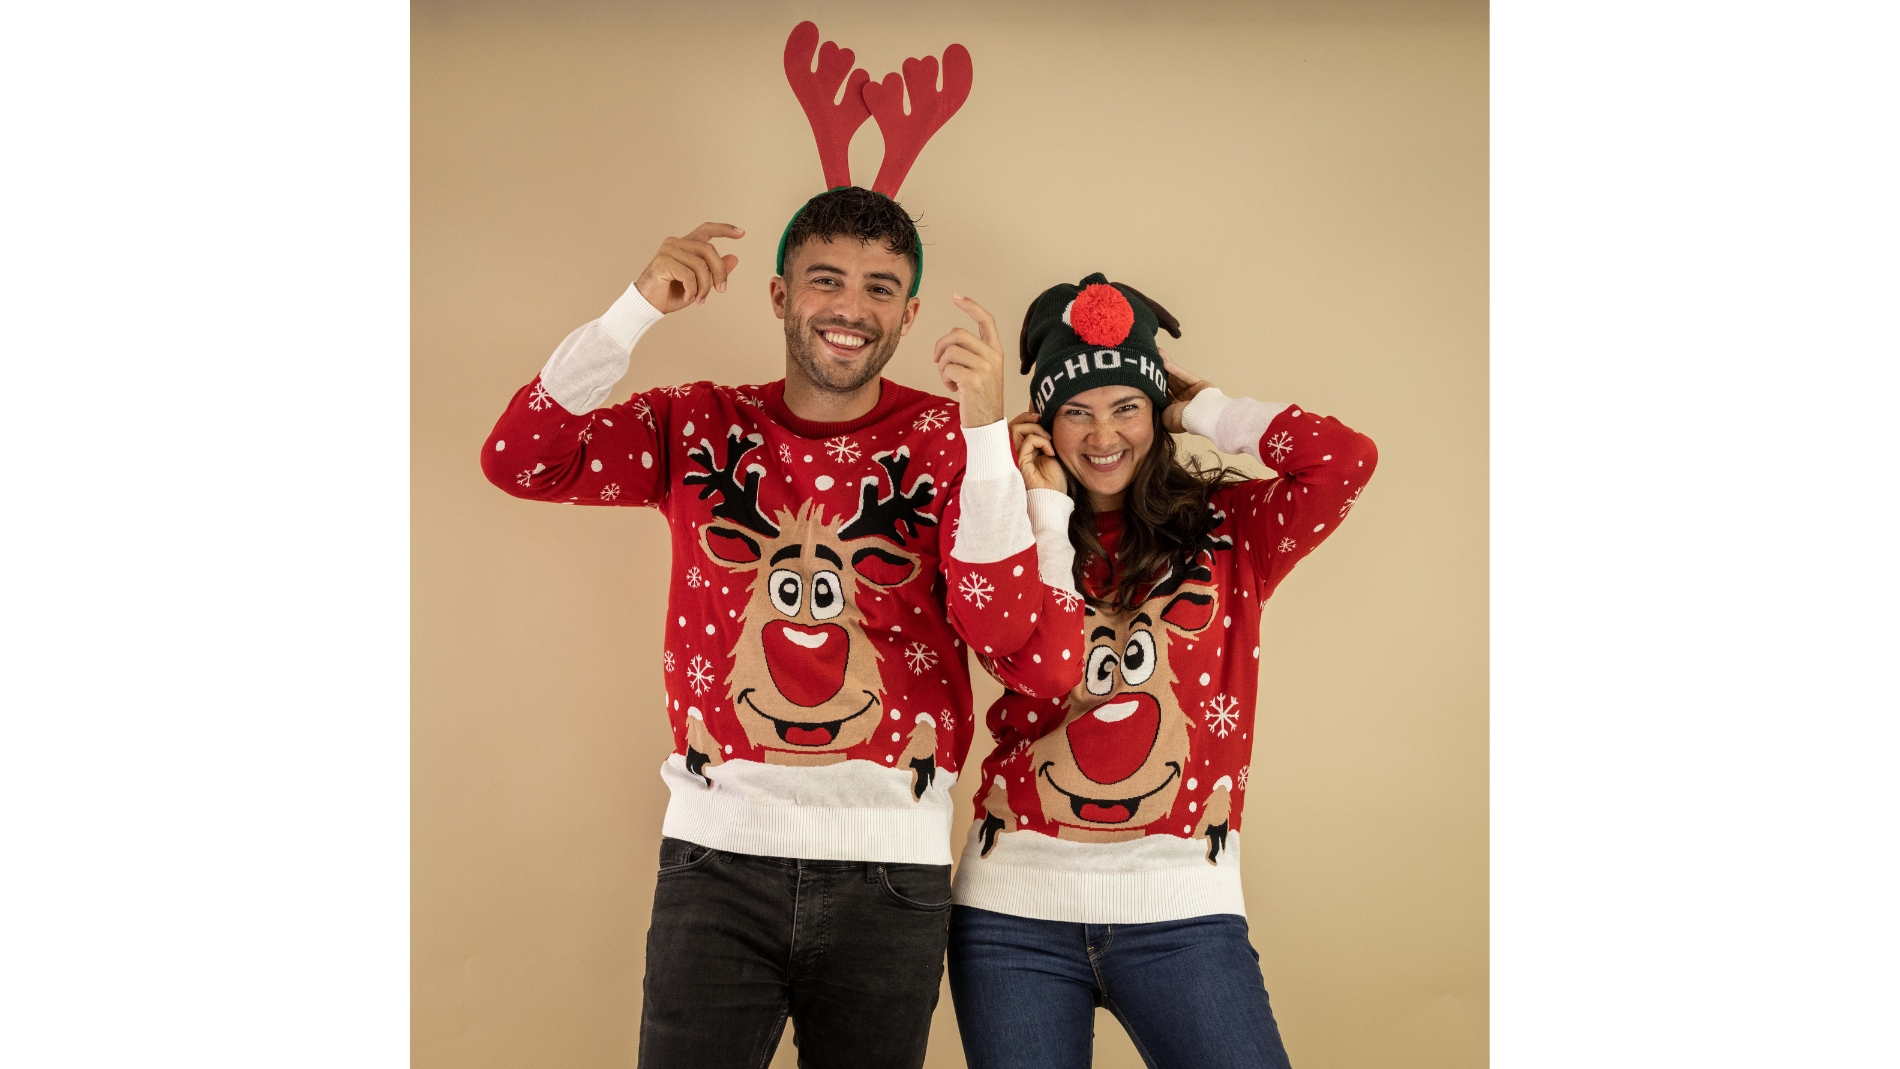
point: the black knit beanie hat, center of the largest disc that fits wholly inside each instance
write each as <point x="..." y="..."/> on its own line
<point x="1094" y="333"/>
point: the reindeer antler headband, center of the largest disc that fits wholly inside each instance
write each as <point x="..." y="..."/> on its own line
<point x="834" y="120"/>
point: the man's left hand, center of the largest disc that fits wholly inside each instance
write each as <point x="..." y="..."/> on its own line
<point x="971" y="366"/>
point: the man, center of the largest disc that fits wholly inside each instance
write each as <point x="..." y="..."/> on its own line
<point x="837" y="540"/>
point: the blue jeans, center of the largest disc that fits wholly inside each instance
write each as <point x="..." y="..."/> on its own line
<point x="1188" y="992"/>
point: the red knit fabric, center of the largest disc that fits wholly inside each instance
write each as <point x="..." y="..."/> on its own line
<point x="1101" y="315"/>
<point x="815" y="612"/>
<point x="1157" y="739"/>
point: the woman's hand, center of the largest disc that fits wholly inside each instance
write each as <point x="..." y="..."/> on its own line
<point x="1036" y="455"/>
<point x="1182" y="386"/>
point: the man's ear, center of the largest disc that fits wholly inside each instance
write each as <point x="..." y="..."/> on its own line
<point x="781" y="296"/>
<point x="910" y="315"/>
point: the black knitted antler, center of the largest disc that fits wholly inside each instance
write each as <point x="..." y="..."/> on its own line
<point x="883" y="517"/>
<point x="739" y="502"/>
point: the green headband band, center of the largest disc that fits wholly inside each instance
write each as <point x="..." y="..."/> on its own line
<point x="787" y="236"/>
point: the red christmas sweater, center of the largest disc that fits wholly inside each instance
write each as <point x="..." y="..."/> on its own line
<point x="826" y="578"/>
<point x="1120" y="802"/>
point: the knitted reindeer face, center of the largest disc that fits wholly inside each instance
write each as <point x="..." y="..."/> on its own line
<point x="1119" y="758"/>
<point x="805" y="679"/>
<point x="805" y="683"/>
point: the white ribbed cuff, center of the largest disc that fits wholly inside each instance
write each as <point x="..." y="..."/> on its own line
<point x="629" y="318"/>
<point x="988" y="454"/>
<point x="995" y="513"/>
<point x="1233" y="424"/>
<point x="1049" y="512"/>
<point x="583" y="370"/>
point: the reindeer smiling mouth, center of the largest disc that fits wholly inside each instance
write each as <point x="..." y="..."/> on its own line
<point x="1105" y="810"/>
<point x="798" y="734"/>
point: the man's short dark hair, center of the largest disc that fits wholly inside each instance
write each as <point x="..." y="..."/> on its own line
<point x="858" y="213"/>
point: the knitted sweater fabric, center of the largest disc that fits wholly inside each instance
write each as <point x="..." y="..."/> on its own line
<point x="1121" y="802"/>
<point x="826" y="579"/>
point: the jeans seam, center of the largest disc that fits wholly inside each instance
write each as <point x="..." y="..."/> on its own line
<point x="776" y="1037"/>
<point x="1140" y="1047"/>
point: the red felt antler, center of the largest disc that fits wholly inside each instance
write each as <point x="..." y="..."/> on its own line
<point x="930" y="108"/>
<point x="832" y="124"/>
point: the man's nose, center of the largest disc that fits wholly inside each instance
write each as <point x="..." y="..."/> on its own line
<point x="848" y="305"/>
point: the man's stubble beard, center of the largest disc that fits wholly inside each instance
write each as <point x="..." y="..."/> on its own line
<point x="802" y="348"/>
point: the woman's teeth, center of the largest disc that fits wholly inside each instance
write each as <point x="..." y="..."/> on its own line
<point x="843" y="341"/>
<point x="1108" y="461"/>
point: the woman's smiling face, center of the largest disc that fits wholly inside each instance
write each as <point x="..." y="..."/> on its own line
<point x="1101" y="435"/>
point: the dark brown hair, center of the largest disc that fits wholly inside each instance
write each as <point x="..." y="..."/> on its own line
<point x="1166" y="521"/>
<point x="858" y="213"/>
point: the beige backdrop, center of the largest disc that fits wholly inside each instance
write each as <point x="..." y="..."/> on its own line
<point x="1303" y="184"/>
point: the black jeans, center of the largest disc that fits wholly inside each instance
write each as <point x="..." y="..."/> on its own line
<point x="852" y="951"/>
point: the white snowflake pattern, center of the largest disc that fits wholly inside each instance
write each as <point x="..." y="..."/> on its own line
<point x="976" y="590"/>
<point x="956" y="525"/>
<point x="784" y="453"/>
<point x="843" y="450"/>
<point x="1280" y="445"/>
<point x="931" y="420"/>
<point x="587" y="432"/>
<point x="748" y="399"/>
<point x="1068" y="599"/>
<point x="699" y="674"/>
<point x="949" y="720"/>
<point x="525" y="478"/>
<point x="540" y="399"/>
<point x="694" y="579"/>
<point x="610" y="491"/>
<point x="1242" y="778"/>
<point x="1221" y="716"/>
<point x="666" y="660"/>
<point x="1287" y="545"/>
<point x="644" y="412"/>
<point x="1350" y="502"/>
<point x="1018" y="750"/>
<point x="921" y="658"/>
<point x="676" y="391"/>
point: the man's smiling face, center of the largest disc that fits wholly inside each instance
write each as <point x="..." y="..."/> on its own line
<point x="844" y="306"/>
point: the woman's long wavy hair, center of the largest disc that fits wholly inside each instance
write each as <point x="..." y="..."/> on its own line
<point x="1166" y="518"/>
<point x="1166" y="521"/>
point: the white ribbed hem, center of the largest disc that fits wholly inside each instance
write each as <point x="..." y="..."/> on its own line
<point x="1155" y="878"/>
<point x="1049" y="512"/>
<point x="995" y="509"/>
<point x="1233" y="424"/>
<point x="774" y="811"/>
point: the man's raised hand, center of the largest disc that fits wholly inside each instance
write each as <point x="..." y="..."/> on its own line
<point x="971" y="366"/>
<point x="687" y="269"/>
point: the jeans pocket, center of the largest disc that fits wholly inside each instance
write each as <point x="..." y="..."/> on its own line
<point x="919" y="887"/>
<point x="678" y="855"/>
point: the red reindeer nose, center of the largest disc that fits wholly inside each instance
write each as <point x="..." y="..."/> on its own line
<point x="1111" y="741"/>
<point x="1101" y="315"/>
<point x="807" y="663"/>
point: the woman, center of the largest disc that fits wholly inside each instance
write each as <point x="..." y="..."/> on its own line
<point x="1104" y="867"/>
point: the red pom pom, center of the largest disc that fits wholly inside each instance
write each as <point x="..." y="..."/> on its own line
<point x="1101" y="315"/>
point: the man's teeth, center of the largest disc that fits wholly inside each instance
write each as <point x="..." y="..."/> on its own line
<point x="844" y="341"/>
<point x="1108" y="461"/>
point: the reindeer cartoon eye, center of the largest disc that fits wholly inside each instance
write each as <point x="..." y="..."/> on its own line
<point x="827" y="595"/>
<point x="1138" y="660"/>
<point x="787" y="591"/>
<point x="1101" y="670"/>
